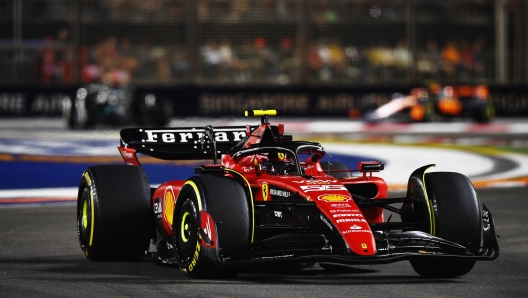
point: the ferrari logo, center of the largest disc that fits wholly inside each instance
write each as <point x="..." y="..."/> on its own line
<point x="334" y="198"/>
<point x="364" y="246"/>
<point x="280" y="155"/>
<point x="265" y="191"/>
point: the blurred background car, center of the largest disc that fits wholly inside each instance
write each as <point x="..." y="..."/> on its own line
<point x="435" y="103"/>
<point x="106" y="105"/>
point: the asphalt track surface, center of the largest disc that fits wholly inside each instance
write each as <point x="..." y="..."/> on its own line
<point x="40" y="257"/>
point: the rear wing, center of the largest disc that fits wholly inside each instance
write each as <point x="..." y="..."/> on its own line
<point x="184" y="143"/>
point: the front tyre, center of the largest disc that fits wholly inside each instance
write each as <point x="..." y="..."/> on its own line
<point x="114" y="219"/>
<point x="224" y="200"/>
<point x="456" y="218"/>
<point x="186" y="233"/>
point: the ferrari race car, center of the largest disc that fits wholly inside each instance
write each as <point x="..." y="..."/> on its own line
<point x="107" y="105"/>
<point x="266" y="198"/>
<point x="433" y="104"/>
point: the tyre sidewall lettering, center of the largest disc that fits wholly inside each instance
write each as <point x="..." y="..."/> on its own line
<point x="195" y="257"/>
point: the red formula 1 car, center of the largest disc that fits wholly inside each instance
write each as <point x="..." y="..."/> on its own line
<point x="266" y="198"/>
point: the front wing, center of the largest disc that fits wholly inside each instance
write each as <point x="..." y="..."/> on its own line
<point x="392" y="246"/>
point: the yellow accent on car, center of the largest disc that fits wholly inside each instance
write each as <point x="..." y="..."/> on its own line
<point x="334" y="198"/>
<point x="258" y="113"/>
<point x="265" y="191"/>
<point x="168" y="209"/>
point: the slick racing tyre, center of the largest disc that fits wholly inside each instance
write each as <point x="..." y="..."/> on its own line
<point x="225" y="201"/>
<point x="114" y="219"/>
<point x="456" y="218"/>
<point x="483" y="111"/>
<point x="429" y="112"/>
<point x="335" y="166"/>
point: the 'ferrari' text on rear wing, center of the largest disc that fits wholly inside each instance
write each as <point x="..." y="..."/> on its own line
<point x="183" y="143"/>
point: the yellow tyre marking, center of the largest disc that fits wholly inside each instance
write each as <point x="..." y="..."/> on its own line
<point x="92" y="222"/>
<point x="87" y="177"/>
<point x="432" y="224"/>
<point x="184" y="227"/>
<point x="199" y="199"/>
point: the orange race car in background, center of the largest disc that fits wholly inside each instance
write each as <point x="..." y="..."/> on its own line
<point x="432" y="104"/>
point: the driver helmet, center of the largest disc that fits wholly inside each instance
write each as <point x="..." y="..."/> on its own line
<point x="278" y="161"/>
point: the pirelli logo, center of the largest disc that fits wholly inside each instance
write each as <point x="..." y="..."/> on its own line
<point x="191" y="135"/>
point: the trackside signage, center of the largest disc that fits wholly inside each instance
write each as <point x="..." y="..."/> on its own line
<point x="34" y="100"/>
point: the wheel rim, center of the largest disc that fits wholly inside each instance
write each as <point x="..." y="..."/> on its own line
<point x="188" y="229"/>
<point x="85" y="214"/>
<point x="185" y="232"/>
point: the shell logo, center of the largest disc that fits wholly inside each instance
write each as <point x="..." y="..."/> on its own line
<point x="334" y="198"/>
<point x="168" y="210"/>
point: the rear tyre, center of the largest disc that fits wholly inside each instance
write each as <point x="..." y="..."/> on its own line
<point x="335" y="166"/>
<point x="225" y="200"/>
<point x="114" y="219"/>
<point x="456" y="218"/>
